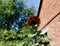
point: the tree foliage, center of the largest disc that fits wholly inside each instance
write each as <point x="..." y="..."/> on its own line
<point x="28" y="36"/>
<point x="14" y="15"/>
<point x="10" y="10"/>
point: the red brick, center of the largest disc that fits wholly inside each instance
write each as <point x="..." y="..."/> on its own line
<point x="49" y="9"/>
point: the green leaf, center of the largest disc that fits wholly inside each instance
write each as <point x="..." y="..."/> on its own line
<point x="31" y="35"/>
<point x="36" y="44"/>
<point x="26" y="29"/>
<point x="21" y="44"/>
<point x="45" y="38"/>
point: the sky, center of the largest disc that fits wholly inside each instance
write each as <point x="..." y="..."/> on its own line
<point x="34" y="3"/>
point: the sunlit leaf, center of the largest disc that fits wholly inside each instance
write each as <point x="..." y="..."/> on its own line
<point x="31" y="35"/>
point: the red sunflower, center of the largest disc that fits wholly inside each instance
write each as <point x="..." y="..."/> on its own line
<point x="33" y="20"/>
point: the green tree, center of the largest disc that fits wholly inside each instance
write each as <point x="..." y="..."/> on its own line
<point x="10" y="13"/>
<point x="10" y="10"/>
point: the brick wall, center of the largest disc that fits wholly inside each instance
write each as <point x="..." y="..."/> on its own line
<point x="49" y="10"/>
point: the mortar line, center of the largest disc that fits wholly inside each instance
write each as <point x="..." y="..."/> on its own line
<point x="50" y="21"/>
